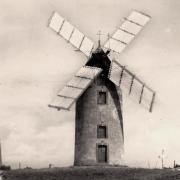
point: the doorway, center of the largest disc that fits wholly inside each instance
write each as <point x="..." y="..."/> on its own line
<point x="102" y="153"/>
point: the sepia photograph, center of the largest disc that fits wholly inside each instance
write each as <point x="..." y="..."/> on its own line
<point x="89" y="90"/>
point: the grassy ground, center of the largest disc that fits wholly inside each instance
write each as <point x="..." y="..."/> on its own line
<point x="92" y="173"/>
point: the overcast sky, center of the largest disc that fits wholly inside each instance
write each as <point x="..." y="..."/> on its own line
<point x="35" y="63"/>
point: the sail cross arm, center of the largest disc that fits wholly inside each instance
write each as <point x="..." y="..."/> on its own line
<point x="71" y="34"/>
<point x="60" y="102"/>
<point x="131" y="84"/>
<point x="75" y="87"/>
<point x="56" y="22"/>
<point x="127" y="31"/>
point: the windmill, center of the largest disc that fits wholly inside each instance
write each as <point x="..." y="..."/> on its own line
<point x="96" y="90"/>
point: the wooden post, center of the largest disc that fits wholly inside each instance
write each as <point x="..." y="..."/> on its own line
<point x="152" y="102"/>
<point x="71" y="35"/>
<point x="61" y="26"/>
<point x="81" y="42"/>
<point x="141" y="95"/>
<point x="123" y="68"/>
<point x="109" y="39"/>
<point x="19" y="165"/>
<point x="99" y="40"/>
<point x="130" y="89"/>
<point x="162" y="159"/>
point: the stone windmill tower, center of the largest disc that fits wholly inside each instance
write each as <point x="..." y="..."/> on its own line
<point x="96" y="90"/>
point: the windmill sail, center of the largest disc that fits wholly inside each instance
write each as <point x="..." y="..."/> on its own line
<point x="75" y="87"/>
<point x="70" y="33"/>
<point x="118" y="74"/>
<point x="131" y="26"/>
<point x="130" y="83"/>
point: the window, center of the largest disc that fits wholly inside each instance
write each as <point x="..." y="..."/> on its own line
<point x="101" y="80"/>
<point x="102" y="97"/>
<point x="101" y="131"/>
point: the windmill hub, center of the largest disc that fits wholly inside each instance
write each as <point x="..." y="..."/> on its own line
<point x="100" y="59"/>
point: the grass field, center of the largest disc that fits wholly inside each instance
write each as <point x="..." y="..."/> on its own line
<point x="92" y="173"/>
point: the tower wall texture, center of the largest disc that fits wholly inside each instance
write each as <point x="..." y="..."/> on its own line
<point x="90" y="114"/>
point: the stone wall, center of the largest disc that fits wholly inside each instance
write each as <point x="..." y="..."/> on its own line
<point x="90" y="114"/>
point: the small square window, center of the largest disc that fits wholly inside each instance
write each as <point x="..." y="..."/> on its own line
<point x="100" y="81"/>
<point x="101" y="131"/>
<point x="102" y="97"/>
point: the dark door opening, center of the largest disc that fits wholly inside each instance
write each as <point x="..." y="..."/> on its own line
<point x="102" y="153"/>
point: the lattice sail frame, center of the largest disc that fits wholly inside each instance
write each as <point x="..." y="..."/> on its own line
<point x="130" y="83"/>
<point x="71" y="34"/>
<point x="119" y="74"/>
<point x="75" y="87"/>
<point x="127" y="31"/>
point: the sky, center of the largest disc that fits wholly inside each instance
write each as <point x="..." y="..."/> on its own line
<point x="35" y="64"/>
